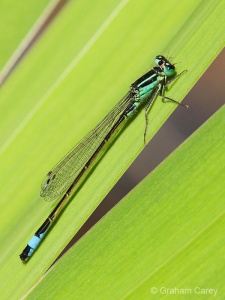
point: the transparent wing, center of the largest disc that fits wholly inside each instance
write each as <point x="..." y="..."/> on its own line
<point x="60" y="178"/>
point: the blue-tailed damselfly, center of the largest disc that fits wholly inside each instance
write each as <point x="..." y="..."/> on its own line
<point x="66" y="174"/>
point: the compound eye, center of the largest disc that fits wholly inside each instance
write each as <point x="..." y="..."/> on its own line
<point x="169" y="69"/>
<point x="160" y="60"/>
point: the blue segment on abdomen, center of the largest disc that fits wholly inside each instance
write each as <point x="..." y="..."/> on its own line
<point x="34" y="242"/>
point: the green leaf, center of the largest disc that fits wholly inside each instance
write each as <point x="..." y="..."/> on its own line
<point x="80" y="67"/>
<point x="166" y="233"/>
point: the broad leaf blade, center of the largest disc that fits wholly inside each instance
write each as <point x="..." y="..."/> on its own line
<point x="166" y="233"/>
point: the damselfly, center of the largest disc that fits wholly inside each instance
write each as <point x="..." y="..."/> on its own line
<point x="65" y="175"/>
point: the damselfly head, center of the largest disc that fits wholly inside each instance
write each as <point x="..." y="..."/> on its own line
<point x="160" y="60"/>
<point x="165" y="65"/>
